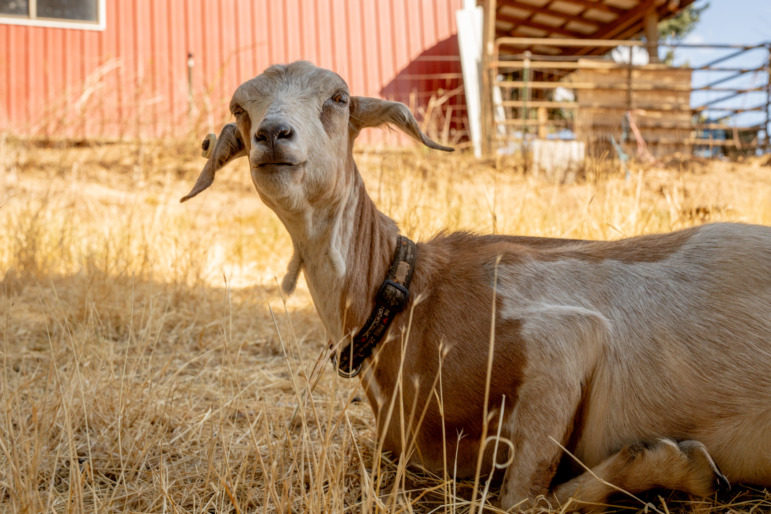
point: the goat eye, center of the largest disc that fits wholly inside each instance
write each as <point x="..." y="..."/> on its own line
<point x="238" y="111"/>
<point x="340" y="98"/>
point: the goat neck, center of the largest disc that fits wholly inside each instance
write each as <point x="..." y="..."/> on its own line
<point x="297" y="124"/>
<point x="344" y="251"/>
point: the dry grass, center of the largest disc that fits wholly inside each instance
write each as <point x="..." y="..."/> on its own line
<point x="149" y="363"/>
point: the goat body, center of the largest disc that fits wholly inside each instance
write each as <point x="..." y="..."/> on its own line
<point x="648" y="358"/>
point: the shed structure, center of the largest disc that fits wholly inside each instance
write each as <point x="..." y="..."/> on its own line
<point x="537" y="53"/>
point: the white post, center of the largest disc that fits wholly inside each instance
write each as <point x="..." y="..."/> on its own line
<point x="470" y="43"/>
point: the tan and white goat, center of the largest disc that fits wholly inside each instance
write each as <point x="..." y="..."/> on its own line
<point x="646" y="358"/>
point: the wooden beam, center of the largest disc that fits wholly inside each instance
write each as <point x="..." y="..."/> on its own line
<point x="632" y="30"/>
<point x="574" y="42"/>
<point x="515" y="84"/>
<point x="549" y="12"/>
<point x="488" y="47"/>
<point x="534" y="123"/>
<point x="627" y="25"/>
<point x="534" y="24"/>
<point x="651" y="29"/>
<point x="530" y="17"/>
<point x="538" y="103"/>
<point x="622" y="23"/>
<point x="557" y="65"/>
<point x="589" y="4"/>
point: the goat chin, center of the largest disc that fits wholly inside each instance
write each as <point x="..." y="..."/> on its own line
<point x="647" y="358"/>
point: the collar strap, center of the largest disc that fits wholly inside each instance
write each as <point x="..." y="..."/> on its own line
<point x="390" y="300"/>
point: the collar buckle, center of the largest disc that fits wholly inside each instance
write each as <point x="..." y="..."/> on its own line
<point x="393" y="295"/>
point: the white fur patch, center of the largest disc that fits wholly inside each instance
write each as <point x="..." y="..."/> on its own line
<point x="369" y="382"/>
<point x="289" y="282"/>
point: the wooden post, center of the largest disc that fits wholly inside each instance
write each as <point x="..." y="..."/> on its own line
<point x="190" y="64"/>
<point x="652" y="32"/>
<point x="629" y="67"/>
<point x="543" y="120"/>
<point x="525" y="97"/>
<point x="767" y="145"/>
<point x="488" y="45"/>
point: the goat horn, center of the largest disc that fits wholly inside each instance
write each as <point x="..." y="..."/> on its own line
<point x="207" y="146"/>
<point x="220" y="151"/>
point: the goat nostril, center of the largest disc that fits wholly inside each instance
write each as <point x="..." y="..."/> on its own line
<point x="273" y="131"/>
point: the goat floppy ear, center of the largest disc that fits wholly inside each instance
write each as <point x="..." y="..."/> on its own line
<point x="373" y="112"/>
<point x="229" y="146"/>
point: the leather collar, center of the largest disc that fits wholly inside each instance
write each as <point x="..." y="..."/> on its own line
<point x="390" y="300"/>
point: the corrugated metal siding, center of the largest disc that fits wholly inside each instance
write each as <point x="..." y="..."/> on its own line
<point x="130" y="80"/>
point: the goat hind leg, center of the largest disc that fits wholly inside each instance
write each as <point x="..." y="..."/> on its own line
<point x="685" y="466"/>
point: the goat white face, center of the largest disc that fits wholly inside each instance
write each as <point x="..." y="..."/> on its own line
<point x="294" y="124"/>
<point x="297" y="123"/>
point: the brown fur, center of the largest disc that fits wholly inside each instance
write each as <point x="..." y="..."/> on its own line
<point x="598" y="346"/>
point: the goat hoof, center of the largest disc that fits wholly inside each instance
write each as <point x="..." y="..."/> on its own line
<point x="702" y="464"/>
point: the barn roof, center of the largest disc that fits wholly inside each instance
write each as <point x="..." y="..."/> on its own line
<point x="581" y="19"/>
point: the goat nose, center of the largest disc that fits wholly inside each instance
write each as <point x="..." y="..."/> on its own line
<point x="271" y="131"/>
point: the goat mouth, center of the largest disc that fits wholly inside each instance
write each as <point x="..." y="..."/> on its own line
<point x="280" y="164"/>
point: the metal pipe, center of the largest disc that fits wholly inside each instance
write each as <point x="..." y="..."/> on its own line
<point x="738" y="70"/>
<point x="190" y="64"/>
<point x="729" y="89"/>
<point x="726" y="79"/>
<point x="759" y="108"/>
<point x="721" y="59"/>
<point x="723" y="98"/>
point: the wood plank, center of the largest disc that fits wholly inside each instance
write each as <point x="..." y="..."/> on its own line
<point x="623" y="22"/>
<point x="556" y="65"/>
<point x="539" y="103"/>
<point x="514" y="84"/>
<point x="651" y="29"/>
<point x="534" y="123"/>
<point x="574" y="42"/>
<point x="723" y="126"/>
<point x="720" y="142"/>
<point x="536" y="25"/>
<point x="488" y="50"/>
<point x="600" y="6"/>
<point x="548" y="12"/>
<point x="673" y="108"/>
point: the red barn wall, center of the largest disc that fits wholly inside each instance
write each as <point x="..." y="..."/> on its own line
<point x="131" y="79"/>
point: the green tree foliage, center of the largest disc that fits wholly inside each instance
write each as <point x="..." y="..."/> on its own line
<point x="680" y="25"/>
<point x="674" y="29"/>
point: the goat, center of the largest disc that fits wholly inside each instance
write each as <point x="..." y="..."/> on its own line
<point x="648" y="358"/>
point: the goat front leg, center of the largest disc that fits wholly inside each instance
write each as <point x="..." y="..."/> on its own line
<point x="562" y="344"/>
<point x="685" y="466"/>
<point x="543" y="411"/>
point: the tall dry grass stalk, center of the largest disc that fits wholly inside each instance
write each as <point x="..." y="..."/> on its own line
<point x="150" y="364"/>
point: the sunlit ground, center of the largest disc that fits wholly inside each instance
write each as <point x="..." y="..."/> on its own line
<point x="150" y="364"/>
